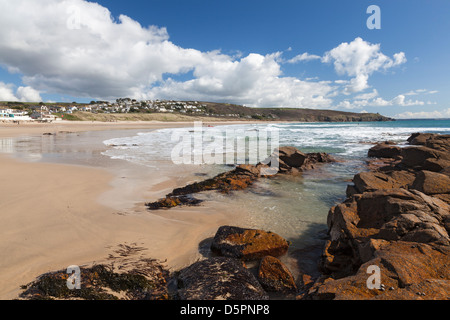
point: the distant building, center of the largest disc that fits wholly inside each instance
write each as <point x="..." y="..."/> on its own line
<point x="13" y="115"/>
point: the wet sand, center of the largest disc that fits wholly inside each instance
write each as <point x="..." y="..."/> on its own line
<point x="56" y="215"/>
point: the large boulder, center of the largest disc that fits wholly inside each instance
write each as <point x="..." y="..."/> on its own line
<point x="436" y="165"/>
<point x="247" y="244"/>
<point x="385" y="150"/>
<point x="408" y="271"/>
<point x="292" y="157"/>
<point x="430" y="182"/>
<point x="290" y="160"/>
<point x="275" y="276"/>
<point x="416" y="157"/>
<point x="219" y="279"/>
<point x="431" y="140"/>
<point x="372" y="180"/>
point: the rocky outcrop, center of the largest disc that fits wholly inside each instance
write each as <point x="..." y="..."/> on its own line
<point x="396" y="218"/>
<point x="290" y="160"/>
<point x="285" y="160"/>
<point x="226" y="277"/>
<point x="274" y="276"/>
<point x="431" y="140"/>
<point x="431" y="182"/>
<point x="385" y="149"/>
<point x="219" y="279"/>
<point x="418" y="158"/>
<point x="147" y="280"/>
<point x="407" y="271"/>
<point x="247" y="244"/>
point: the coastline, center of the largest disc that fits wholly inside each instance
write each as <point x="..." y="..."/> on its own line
<point x="31" y="128"/>
<point x="175" y="237"/>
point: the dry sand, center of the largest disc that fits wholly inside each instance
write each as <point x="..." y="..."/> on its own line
<point x="55" y="215"/>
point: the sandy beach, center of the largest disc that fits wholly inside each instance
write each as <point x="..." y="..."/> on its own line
<point x="57" y="215"/>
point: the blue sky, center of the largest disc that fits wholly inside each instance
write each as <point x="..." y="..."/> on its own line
<point x="231" y="51"/>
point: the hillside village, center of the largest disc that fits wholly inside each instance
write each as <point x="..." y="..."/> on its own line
<point x="16" y="111"/>
<point x="111" y="111"/>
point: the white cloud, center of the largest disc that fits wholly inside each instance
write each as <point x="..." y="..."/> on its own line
<point x="420" y="91"/>
<point x="254" y="80"/>
<point x="304" y="57"/>
<point x="77" y="48"/>
<point x="359" y="59"/>
<point x="373" y="100"/>
<point x="367" y="96"/>
<point x="424" y="114"/>
<point x="22" y="94"/>
<point x="28" y="94"/>
<point x="102" y="58"/>
<point x="7" y="92"/>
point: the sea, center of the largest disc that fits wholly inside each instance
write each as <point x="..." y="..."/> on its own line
<point x="294" y="207"/>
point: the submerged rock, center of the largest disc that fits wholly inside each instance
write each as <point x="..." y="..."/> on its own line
<point x="247" y="244"/>
<point x="219" y="279"/>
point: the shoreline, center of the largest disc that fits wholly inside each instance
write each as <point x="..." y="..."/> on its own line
<point x="55" y="215"/>
<point x="9" y="130"/>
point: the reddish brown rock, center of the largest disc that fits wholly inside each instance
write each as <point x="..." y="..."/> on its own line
<point x="290" y="160"/>
<point x="219" y="278"/>
<point x="432" y="183"/>
<point x="416" y="157"/>
<point x="408" y="271"/>
<point x="274" y="276"/>
<point x="291" y="157"/>
<point x="370" y="181"/>
<point x="436" y="165"/>
<point x="238" y="179"/>
<point x="390" y="222"/>
<point x="247" y="244"/>
<point x="286" y="160"/>
<point x="383" y="215"/>
<point x="435" y="141"/>
<point x="385" y="150"/>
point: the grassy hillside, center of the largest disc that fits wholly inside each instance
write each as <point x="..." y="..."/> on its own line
<point x="290" y="114"/>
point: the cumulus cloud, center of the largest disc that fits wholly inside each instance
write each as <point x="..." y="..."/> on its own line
<point x="373" y="100"/>
<point x="22" y="94"/>
<point x="424" y="114"/>
<point x="254" y="80"/>
<point x="93" y="56"/>
<point x="77" y="48"/>
<point x="359" y="59"/>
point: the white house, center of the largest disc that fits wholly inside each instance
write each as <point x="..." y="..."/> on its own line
<point x="13" y="115"/>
